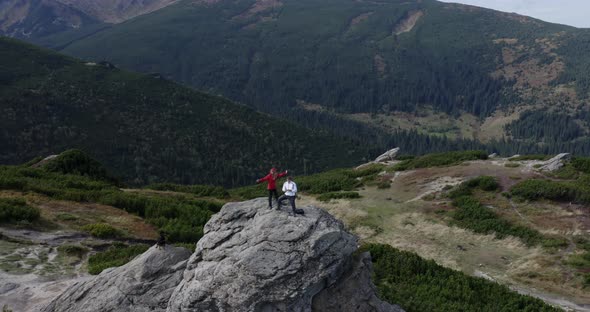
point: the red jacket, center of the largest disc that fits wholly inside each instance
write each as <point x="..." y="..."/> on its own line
<point x="272" y="182"/>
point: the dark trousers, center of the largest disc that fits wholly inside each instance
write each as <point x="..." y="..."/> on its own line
<point x="291" y="201"/>
<point x="270" y="195"/>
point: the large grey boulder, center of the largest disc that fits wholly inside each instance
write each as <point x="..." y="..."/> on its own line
<point x="555" y="163"/>
<point x="388" y="156"/>
<point x="255" y="259"/>
<point x="250" y="259"/>
<point x="144" y="284"/>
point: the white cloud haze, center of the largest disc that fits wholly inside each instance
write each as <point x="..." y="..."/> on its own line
<point x="569" y="12"/>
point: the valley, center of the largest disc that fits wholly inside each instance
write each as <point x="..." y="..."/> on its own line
<point x="410" y="209"/>
<point x="396" y="61"/>
<point x="129" y="122"/>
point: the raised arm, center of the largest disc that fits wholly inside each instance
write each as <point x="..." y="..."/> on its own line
<point x="265" y="178"/>
<point x="282" y="174"/>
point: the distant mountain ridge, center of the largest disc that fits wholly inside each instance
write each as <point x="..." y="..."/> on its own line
<point x="439" y="68"/>
<point x="35" y="20"/>
<point x="116" y="11"/>
<point x="29" y="19"/>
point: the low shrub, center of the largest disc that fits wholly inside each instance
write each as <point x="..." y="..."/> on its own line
<point x="17" y="210"/>
<point x="65" y="217"/>
<point x="472" y="215"/>
<point x="581" y="261"/>
<point x="581" y="164"/>
<point x="582" y="243"/>
<point x="102" y="230"/>
<point x="440" y="160"/>
<point x="114" y="256"/>
<point x="417" y="284"/>
<point x="484" y="183"/>
<point x="72" y="250"/>
<point x="331" y="181"/>
<point x="77" y="162"/>
<point x="554" y="242"/>
<point x="567" y="172"/>
<point x="384" y="185"/>
<point x="536" y="189"/>
<point x="405" y="157"/>
<point x="180" y="215"/>
<point x="540" y="157"/>
<point x="326" y="197"/>
<point x="198" y="190"/>
<point x="512" y="165"/>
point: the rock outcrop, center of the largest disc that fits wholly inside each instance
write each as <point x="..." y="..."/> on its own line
<point x="555" y="163"/>
<point x="250" y="259"/>
<point x="144" y="284"/>
<point x="353" y="292"/>
<point x="387" y="156"/>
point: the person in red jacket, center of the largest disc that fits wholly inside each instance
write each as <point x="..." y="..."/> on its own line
<point x="271" y="179"/>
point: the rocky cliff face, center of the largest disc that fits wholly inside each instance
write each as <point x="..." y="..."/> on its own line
<point x="144" y="284"/>
<point x="250" y="259"/>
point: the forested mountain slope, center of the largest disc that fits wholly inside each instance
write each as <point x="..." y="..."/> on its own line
<point x="145" y="128"/>
<point x="49" y="21"/>
<point x="116" y="11"/>
<point x="33" y="19"/>
<point x="445" y="69"/>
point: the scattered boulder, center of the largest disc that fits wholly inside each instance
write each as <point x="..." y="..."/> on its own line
<point x="107" y="64"/>
<point x="43" y="161"/>
<point x="144" y="284"/>
<point x="390" y="155"/>
<point x="555" y="163"/>
<point x="493" y="155"/>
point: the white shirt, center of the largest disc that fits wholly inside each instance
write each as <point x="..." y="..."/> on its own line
<point x="290" y="188"/>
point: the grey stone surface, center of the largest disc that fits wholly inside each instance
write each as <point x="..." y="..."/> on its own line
<point x="555" y="163"/>
<point x="144" y="284"/>
<point x="8" y="287"/>
<point x="250" y="259"/>
<point x="388" y="156"/>
<point x="354" y="291"/>
<point x="255" y="259"/>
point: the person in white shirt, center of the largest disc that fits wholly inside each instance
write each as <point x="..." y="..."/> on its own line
<point x="290" y="190"/>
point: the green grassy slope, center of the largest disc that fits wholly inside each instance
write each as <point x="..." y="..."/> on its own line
<point x="352" y="56"/>
<point x="144" y="128"/>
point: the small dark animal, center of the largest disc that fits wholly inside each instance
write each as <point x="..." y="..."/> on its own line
<point x="161" y="243"/>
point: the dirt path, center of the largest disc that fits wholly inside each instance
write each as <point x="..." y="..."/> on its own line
<point x="552" y="299"/>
